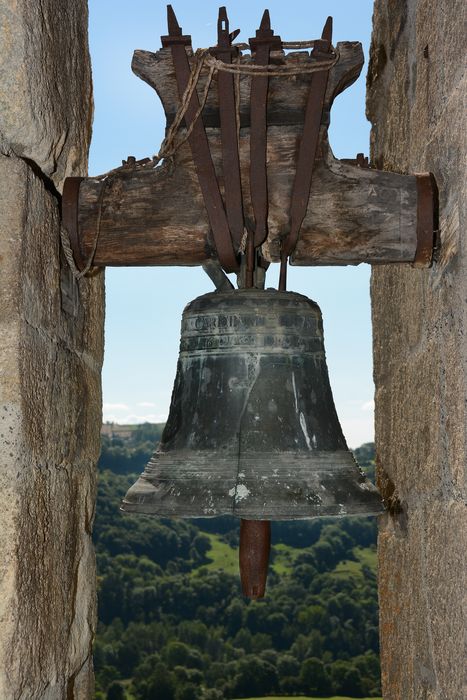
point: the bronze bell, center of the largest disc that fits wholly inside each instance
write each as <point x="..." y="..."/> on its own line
<point x="252" y="429"/>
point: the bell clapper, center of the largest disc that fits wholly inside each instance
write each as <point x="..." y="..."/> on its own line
<point x="255" y="544"/>
<point x="217" y="275"/>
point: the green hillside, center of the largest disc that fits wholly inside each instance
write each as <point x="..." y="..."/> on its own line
<point x="172" y="621"/>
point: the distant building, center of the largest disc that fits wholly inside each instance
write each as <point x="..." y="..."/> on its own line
<point x="115" y="430"/>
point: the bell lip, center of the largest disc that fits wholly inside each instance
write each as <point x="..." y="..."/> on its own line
<point x="153" y="492"/>
<point x="142" y="509"/>
<point x="373" y="507"/>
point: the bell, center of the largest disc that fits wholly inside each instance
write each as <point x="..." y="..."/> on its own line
<point x="252" y="429"/>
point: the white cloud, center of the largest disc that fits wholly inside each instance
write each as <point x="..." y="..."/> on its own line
<point x="358" y="431"/>
<point x="133" y="418"/>
<point x="115" y="407"/>
<point x="368" y="405"/>
<point x="146" y="404"/>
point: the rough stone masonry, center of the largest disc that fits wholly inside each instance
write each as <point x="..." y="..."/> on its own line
<point x="51" y="353"/>
<point x="51" y="346"/>
<point x="416" y="103"/>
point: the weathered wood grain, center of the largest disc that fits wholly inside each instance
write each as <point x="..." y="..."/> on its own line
<point x="156" y="215"/>
<point x="286" y="95"/>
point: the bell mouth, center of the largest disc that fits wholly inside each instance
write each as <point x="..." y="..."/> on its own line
<point x="286" y="486"/>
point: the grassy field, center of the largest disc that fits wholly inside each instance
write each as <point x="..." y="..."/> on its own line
<point x="223" y="556"/>
<point x="284" y="558"/>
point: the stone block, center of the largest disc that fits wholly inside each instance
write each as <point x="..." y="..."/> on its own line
<point x="50" y="361"/>
<point x="46" y="94"/>
<point x="422" y="620"/>
<point x="414" y="100"/>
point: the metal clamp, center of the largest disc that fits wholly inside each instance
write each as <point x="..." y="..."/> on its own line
<point x="307" y="152"/>
<point x="70" y="211"/>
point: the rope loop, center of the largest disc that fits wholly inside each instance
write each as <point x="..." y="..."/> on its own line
<point x="170" y="144"/>
<point x="203" y="58"/>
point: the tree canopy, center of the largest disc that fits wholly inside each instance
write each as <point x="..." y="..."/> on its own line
<point x="173" y="623"/>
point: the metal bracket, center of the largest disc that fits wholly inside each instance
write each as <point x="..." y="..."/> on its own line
<point x="224" y="51"/>
<point x="200" y="147"/>
<point x="307" y="151"/>
<point x="261" y="46"/>
<point x="408" y="234"/>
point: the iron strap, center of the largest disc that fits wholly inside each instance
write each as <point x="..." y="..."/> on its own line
<point x="229" y="134"/>
<point x="70" y="211"/>
<point x="200" y="147"/>
<point x="427" y="201"/>
<point x="261" y="45"/>
<point x="307" y="150"/>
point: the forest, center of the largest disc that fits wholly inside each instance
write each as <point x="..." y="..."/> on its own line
<point x="173" y="624"/>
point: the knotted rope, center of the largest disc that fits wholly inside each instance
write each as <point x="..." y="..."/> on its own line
<point x="202" y="57"/>
<point x="170" y="144"/>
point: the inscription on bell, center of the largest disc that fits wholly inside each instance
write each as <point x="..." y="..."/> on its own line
<point x="265" y="343"/>
<point x="260" y="319"/>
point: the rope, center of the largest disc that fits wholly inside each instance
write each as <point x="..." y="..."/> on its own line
<point x="237" y="100"/>
<point x="202" y="57"/>
<point x="68" y="253"/>
<point x="271" y="69"/>
<point x="170" y="145"/>
<point x="308" y="44"/>
<point x="65" y="239"/>
<point x="243" y="242"/>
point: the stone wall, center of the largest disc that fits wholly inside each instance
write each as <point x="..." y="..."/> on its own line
<point x="50" y="359"/>
<point x="416" y="103"/>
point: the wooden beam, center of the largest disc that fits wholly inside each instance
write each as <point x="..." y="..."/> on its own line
<point x="156" y="215"/>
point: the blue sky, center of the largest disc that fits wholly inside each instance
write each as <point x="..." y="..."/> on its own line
<point x="144" y="305"/>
